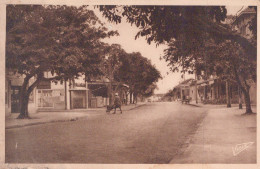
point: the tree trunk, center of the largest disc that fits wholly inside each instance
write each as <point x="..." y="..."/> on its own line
<point x="131" y="97"/>
<point x="245" y="89"/>
<point x="109" y="93"/>
<point x="228" y="94"/>
<point x="126" y="99"/>
<point x="239" y="98"/>
<point x="248" y="102"/>
<point x="135" y="98"/>
<point x="24" y="107"/>
<point x="205" y="93"/>
<point x="25" y="94"/>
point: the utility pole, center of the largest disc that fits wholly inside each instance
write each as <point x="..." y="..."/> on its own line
<point x="109" y="89"/>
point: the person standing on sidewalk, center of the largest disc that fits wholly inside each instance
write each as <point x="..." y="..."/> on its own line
<point x="117" y="103"/>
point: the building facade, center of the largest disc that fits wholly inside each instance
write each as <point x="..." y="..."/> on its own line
<point x="213" y="90"/>
<point x="79" y="93"/>
<point x="13" y="84"/>
<point x="241" y="23"/>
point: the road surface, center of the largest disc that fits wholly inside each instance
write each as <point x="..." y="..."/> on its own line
<point x="153" y="133"/>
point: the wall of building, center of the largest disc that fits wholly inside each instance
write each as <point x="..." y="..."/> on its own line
<point x="13" y="80"/>
<point x="50" y="99"/>
<point x="50" y="95"/>
<point x="243" y="26"/>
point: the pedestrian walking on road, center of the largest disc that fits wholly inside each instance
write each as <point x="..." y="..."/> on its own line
<point x="117" y="103"/>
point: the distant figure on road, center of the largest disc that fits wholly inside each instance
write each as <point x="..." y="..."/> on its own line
<point x="117" y="103"/>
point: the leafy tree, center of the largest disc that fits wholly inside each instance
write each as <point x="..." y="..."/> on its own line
<point x="236" y="66"/>
<point x="131" y="69"/>
<point x="110" y="65"/>
<point x="192" y="34"/>
<point x="137" y="72"/>
<point x="146" y="77"/>
<point x="189" y="24"/>
<point x="227" y="60"/>
<point x="58" y="39"/>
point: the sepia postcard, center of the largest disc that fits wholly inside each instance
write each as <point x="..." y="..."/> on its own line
<point x="123" y="84"/>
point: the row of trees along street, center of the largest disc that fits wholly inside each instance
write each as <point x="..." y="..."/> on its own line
<point x="197" y="40"/>
<point x="131" y="69"/>
<point x="67" y="41"/>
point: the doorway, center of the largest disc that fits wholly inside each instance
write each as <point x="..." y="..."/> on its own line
<point x="15" y="99"/>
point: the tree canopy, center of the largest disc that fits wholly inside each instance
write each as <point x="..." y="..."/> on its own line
<point x="63" y="40"/>
<point x="131" y="69"/>
<point x="139" y="73"/>
<point x="197" y="39"/>
<point x="187" y="26"/>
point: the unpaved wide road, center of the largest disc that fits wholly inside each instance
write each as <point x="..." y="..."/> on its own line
<point x="153" y="133"/>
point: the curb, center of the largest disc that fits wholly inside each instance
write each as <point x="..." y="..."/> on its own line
<point x="187" y="145"/>
<point x="55" y="121"/>
<point x="82" y="110"/>
<point x="45" y="122"/>
<point x="71" y="111"/>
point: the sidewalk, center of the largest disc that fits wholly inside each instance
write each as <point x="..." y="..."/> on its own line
<point x="193" y="103"/>
<point x="220" y="138"/>
<point x="43" y="117"/>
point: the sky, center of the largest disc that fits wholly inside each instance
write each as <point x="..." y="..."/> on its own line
<point x="127" y="40"/>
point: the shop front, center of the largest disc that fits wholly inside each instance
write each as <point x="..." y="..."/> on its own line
<point x="78" y="94"/>
<point x="78" y="98"/>
<point x="13" y="84"/>
<point x="97" y="95"/>
<point x="51" y="99"/>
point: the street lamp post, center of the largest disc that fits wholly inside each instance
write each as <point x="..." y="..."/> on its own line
<point x="109" y="89"/>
